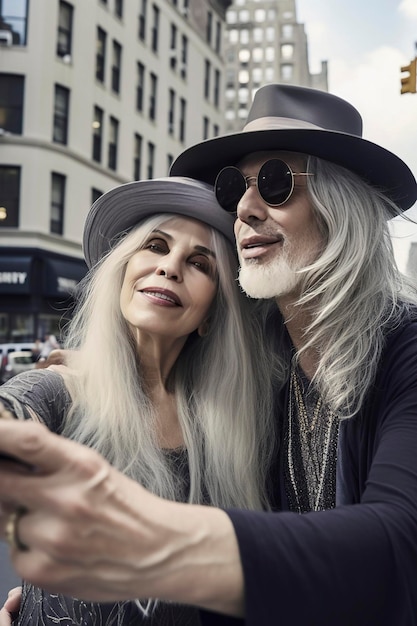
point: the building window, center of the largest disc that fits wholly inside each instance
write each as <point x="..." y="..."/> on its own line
<point x="207" y="70"/>
<point x="206" y="125"/>
<point x="137" y="159"/>
<point x="244" y="56"/>
<point x="233" y="36"/>
<point x="173" y="47"/>
<point x="231" y="17"/>
<point x="216" y="130"/>
<point x="287" y="51"/>
<point x="271" y="34"/>
<point x="9" y="196"/>
<point x="269" y="74"/>
<point x="287" y="31"/>
<point x="101" y="54"/>
<point x="184" y="56"/>
<point x="216" y="88"/>
<point x="11" y="102"/>
<point x="97" y="133"/>
<point x="151" y="159"/>
<point x="230" y="78"/>
<point x="244" y="36"/>
<point x="57" y="203"/>
<point x="258" y="35"/>
<point x="140" y="86"/>
<point x="170" y="160"/>
<point x="152" y="97"/>
<point x="113" y="138"/>
<point x="185" y="8"/>
<point x="61" y="115"/>
<point x="260" y="16"/>
<point x="14" y="16"/>
<point x="142" y="21"/>
<point x="257" y="55"/>
<point x="209" y="27"/>
<point x="116" y="67"/>
<point x="269" y="54"/>
<point x="183" y="112"/>
<point x="218" y="40"/>
<point x="118" y="8"/>
<point x="171" y="112"/>
<point x="155" y="28"/>
<point x="64" y="39"/>
<point x="286" y="71"/>
<point x="95" y="194"/>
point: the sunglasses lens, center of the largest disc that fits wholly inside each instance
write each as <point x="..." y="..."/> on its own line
<point x="229" y="187"/>
<point x="275" y="182"/>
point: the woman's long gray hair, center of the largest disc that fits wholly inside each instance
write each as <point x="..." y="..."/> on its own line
<point x="354" y="290"/>
<point x="222" y="384"/>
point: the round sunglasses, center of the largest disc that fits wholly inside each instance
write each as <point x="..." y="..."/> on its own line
<point x="275" y="183"/>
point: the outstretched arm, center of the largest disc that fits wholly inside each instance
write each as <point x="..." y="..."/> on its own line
<point x="95" y="534"/>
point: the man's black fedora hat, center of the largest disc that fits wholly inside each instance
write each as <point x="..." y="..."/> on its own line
<point x="299" y="119"/>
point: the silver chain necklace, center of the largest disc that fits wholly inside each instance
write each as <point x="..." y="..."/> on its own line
<point x="312" y="445"/>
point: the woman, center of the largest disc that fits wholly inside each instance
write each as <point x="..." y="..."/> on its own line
<point x="166" y="370"/>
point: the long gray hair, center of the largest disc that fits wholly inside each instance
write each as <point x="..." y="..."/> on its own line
<point x="354" y="290"/>
<point x="222" y="385"/>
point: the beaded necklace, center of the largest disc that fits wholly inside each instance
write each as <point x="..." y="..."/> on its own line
<point x="311" y="448"/>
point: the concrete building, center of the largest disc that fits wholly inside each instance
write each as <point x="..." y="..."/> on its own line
<point x="264" y="43"/>
<point x="93" y="93"/>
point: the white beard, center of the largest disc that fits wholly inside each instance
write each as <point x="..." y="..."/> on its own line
<point x="268" y="281"/>
<point x="278" y="277"/>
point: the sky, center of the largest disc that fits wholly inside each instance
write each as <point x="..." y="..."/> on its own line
<point x="365" y="43"/>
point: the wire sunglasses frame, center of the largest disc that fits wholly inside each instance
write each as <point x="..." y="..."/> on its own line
<point x="274" y="181"/>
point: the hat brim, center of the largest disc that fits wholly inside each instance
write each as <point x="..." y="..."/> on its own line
<point x="375" y="164"/>
<point x="120" y="209"/>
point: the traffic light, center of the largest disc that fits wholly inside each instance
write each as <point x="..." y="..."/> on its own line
<point x="408" y="83"/>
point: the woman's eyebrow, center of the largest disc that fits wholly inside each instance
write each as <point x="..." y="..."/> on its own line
<point x="206" y="250"/>
<point x="197" y="247"/>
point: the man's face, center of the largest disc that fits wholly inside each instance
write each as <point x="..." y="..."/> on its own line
<point x="275" y="242"/>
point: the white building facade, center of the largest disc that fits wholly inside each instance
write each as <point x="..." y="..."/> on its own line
<point x="93" y="93"/>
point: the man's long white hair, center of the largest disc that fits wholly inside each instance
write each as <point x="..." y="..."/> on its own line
<point x="222" y="384"/>
<point x="354" y="290"/>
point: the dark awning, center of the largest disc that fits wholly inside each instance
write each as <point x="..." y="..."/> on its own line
<point x="61" y="277"/>
<point x="15" y="274"/>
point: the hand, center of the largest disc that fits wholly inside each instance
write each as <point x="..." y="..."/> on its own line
<point x="55" y="357"/>
<point x="95" y="534"/>
<point x="11" y="606"/>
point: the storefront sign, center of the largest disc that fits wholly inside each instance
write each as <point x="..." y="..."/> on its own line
<point x="15" y="274"/>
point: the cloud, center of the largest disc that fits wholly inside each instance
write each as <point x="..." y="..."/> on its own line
<point x="408" y="8"/>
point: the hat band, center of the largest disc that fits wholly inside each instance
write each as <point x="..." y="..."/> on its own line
<point x="276" y="123"/>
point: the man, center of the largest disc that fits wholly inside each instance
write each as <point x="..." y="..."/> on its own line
<point x="312" y="199"/>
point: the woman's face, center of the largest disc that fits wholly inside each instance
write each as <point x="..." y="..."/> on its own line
<point x="170" y="284"/>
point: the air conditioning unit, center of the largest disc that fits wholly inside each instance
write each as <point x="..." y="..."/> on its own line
<point x="6" y="38"/>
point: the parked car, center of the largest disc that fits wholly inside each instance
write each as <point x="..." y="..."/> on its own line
<point x="14" y="358"/>
<point x="17" y="361"/>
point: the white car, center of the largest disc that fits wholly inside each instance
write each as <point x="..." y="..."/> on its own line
<point x="16" y="362"/>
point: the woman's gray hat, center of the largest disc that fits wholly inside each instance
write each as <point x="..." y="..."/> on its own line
<point x="120" y="209"/>
<point x="313" y="122"/>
